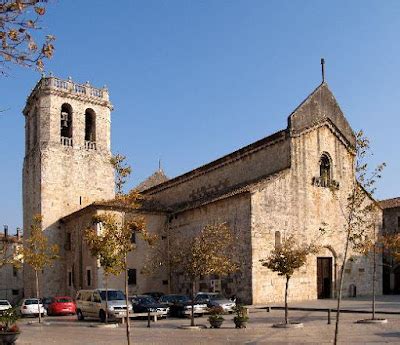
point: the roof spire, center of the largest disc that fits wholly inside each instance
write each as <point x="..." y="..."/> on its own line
<point x="323" y="69"/>
<point x="159" y="164"/>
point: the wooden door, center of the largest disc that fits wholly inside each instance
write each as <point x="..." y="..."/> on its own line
<point x="324" y="277"/>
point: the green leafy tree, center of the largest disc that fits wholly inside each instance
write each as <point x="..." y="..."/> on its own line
<point x="286" y="258"/>
<point x="37" y="253"/>
<point x="210" y="252"/>
<point x="358" y="210"/>
<point x="19" y="24"/>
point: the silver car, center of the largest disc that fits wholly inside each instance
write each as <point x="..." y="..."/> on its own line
<point x="215" y="299"/>
<point x="92" y="303"/>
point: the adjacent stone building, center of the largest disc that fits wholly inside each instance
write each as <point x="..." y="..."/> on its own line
<point x="391" y="225"/>
<point x="11" y="282"/>
<point x="279" y="185"/>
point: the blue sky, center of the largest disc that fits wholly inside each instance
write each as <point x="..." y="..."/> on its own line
<point x="194" y="80"/>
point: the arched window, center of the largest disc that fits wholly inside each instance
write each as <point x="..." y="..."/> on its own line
<point x="325" y="170"/>
<point x="90" y="125"/>
<point x="66" y="121"/>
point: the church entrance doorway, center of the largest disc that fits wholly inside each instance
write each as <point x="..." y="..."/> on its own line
<point x="324" y="277"/>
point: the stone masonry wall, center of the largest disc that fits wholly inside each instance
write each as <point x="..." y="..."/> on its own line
<point x="59" y="179"/>
<point x="262" y="161"/>
<point x="236" y="212"/>
<point x="291" y="204"/>
<point x="79" y="259"/>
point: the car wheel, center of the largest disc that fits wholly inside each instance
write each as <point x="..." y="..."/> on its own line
<point x="102" y="316"/>
<point x="80" y="315"/>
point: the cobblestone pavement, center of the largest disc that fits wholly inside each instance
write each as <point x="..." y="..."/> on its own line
<point x="68" y="331"/>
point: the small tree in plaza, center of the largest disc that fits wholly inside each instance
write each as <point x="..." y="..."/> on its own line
<point x="103" y="246"/>
<point x="37" y="253"/>
<point x="357" y="210"/>
<point x="114" y="250"/>
<point x="207" y="253"/>
<point x="286" y="258"/>
<point x="113" y="243"/>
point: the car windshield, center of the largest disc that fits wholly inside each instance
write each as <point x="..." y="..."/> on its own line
<point x="146" y="300"/>
<point x="174" y="298"/>
<point x="112" y="295"/>
<point x="4" y="303"/>
<point x="216" y="297"/>
<point x="64" y="300"/>
<point x="31" y="301"/>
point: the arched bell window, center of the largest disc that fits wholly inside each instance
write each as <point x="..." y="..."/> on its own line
<point x="325" y="170"/>
<point x="90" y="125"/>
<point x="66" y="121"/>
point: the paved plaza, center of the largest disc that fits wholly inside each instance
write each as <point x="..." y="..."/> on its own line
<point x="67" y="330"/>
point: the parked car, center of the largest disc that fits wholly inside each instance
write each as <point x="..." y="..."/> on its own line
<point x="4" y="305"/>
<point x="155" y="295"/>
<point x="61" y="306"/>
<point x="145" y="303"/>
<point x="214" y="299"/>
<point x="31" y="307"/>
<point x="181" y="305"/>
<point x="46" y="301"/>
<point x="92" y="303"/>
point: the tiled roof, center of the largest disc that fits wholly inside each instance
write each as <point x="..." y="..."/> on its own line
<point x="154" y="180"/>
<point x="390" y="203"/>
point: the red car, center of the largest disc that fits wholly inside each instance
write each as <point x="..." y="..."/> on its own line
<point x="61" y="306"/>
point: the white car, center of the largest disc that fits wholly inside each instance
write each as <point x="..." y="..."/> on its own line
<point x="4" y="305"/>
<point x="31" y="306"/>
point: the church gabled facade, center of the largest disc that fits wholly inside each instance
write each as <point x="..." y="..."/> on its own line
<point x="277" y="186"/>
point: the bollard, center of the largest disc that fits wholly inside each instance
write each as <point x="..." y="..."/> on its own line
<point x="329" y="316"/>
<point x="148" y="319"/>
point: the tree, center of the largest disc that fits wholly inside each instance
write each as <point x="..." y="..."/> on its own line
<point x="358" y="210"/>
<point x="286" y="258"/>
<point x="375" y="245"/>
<point x="120" y="245"/>
<point x="120" y="230"/>
<point x="19" y="23"/>
<point x="207" y="253"/>
<point x="37" y="253"/>
<point x="122" y="172"/>
<point x="103" y="246"/>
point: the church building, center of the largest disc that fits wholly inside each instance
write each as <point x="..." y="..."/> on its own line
<point x="274" y="187"/>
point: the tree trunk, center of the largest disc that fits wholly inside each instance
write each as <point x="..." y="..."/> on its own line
<point x="339" y="295"/>
<point x="286" y="298"/>
<point x="128" y="326"/>
<point x="192" y="303"/>
<point x="106" y="285"/>
<point x="38" y="294"/>
<point x="373" y="284"/>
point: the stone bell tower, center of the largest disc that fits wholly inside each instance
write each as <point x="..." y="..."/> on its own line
<point x="67" y="162"/>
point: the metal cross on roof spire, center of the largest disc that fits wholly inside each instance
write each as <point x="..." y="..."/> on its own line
<point x="323" y="69"/>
